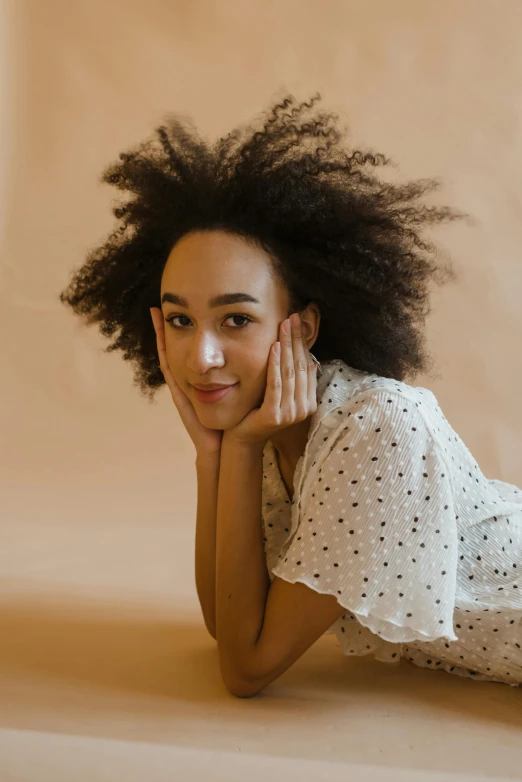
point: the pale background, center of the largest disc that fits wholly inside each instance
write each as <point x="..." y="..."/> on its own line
<point x="107" y="671"/>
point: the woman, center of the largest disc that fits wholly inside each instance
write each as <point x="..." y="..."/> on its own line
<point x="332" y="495"/>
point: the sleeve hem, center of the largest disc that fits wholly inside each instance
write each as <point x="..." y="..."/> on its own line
<point x="366" y="619"/>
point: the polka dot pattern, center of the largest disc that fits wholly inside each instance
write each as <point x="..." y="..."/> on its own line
<point x="392" y="515"/>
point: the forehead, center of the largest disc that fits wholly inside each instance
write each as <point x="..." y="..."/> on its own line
<point x="215" y="248"/>
<point x="205" y="264"/>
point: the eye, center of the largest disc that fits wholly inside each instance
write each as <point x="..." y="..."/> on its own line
<point x="171" y="318"/>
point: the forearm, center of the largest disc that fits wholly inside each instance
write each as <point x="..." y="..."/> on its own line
<point x="208" y="478"/>
<point x="242" y="579"/>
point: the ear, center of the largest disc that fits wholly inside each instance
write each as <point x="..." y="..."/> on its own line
<point x="310" y="322"/>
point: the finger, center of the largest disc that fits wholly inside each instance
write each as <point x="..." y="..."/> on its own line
<point x="312" y="384"/>
<point x="312" y="379"/>
<point x="301" y="369"/>
<point x="287" y="371"/>
<point x="273" y="381"/>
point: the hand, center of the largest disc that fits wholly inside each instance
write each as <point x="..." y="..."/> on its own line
<point x="291" y="390"/>
<point x="207" y="441"/>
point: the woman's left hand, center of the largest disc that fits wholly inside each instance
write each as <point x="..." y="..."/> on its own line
<point x="291" y="390"/>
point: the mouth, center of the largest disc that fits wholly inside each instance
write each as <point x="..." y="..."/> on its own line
<point x="208" y="397"/>
<point x="212" y="386"/>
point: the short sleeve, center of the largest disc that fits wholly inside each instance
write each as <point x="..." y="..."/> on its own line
<point x="377" y="525"/>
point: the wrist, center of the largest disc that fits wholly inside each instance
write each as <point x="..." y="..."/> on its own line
<point x="208" y="459"/>
<point x="230" y="442"/>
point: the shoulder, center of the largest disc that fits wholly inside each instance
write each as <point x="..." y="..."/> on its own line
<point x="377" y="409"/>
<point x="387" y="416"/>
<point x="342" y="388"/>
<point x="382" y="428"/>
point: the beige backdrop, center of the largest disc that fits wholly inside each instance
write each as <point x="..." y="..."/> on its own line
<point x="107" y="671"/>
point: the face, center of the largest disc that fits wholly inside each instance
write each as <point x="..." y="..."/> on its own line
<point x="213" y="342"/>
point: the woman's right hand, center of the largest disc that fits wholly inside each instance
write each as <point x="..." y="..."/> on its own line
<point x="207" y="441"/>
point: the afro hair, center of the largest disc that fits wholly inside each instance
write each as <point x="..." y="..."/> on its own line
<point x="336" y="235"/>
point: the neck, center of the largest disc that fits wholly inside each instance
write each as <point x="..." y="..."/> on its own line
<point x="291" y="443"/>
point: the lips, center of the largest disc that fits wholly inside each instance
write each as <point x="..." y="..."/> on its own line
<point x="212" y="387"/>
<point x="209" y="397"/>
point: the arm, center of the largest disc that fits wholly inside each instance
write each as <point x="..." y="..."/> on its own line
<point x="242" y="580"/>
<point x="207" y="469"/>
<point x="262" y="627"/>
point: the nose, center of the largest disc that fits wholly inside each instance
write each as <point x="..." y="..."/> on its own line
<point x="205" y="353"/>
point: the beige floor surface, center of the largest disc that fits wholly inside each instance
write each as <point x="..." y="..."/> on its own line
<point x="107" y="673"/>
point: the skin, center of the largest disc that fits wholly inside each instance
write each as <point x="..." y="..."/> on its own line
<point x="206" y="344"/>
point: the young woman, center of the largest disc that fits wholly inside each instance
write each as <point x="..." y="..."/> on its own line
<point x="333" y="496"/>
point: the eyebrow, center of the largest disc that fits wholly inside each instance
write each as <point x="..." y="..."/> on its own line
<point x="217" y="301"/>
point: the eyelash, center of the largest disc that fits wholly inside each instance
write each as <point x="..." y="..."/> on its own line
<point x="234" y="315"/>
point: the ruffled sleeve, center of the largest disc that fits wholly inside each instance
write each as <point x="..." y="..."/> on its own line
<point x="377" y="525"/>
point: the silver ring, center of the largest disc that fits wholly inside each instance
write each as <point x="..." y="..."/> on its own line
<point x="318" y="365"/>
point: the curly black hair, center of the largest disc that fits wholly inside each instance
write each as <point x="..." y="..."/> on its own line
<point x="335" y="235"/>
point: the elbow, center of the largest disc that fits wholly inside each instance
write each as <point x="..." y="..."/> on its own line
<point x="245" y="694"/>
<point x="242" y="690"/>
<point x="237" y="687"/>
<point x="211" y="630"/>
<point x="235" y="681"/>
<point x="241" y="687"/>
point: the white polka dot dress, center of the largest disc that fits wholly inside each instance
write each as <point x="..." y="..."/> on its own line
<point x="392" y="515"/>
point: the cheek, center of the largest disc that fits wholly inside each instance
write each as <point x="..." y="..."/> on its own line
<point x="258" y="383"/>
